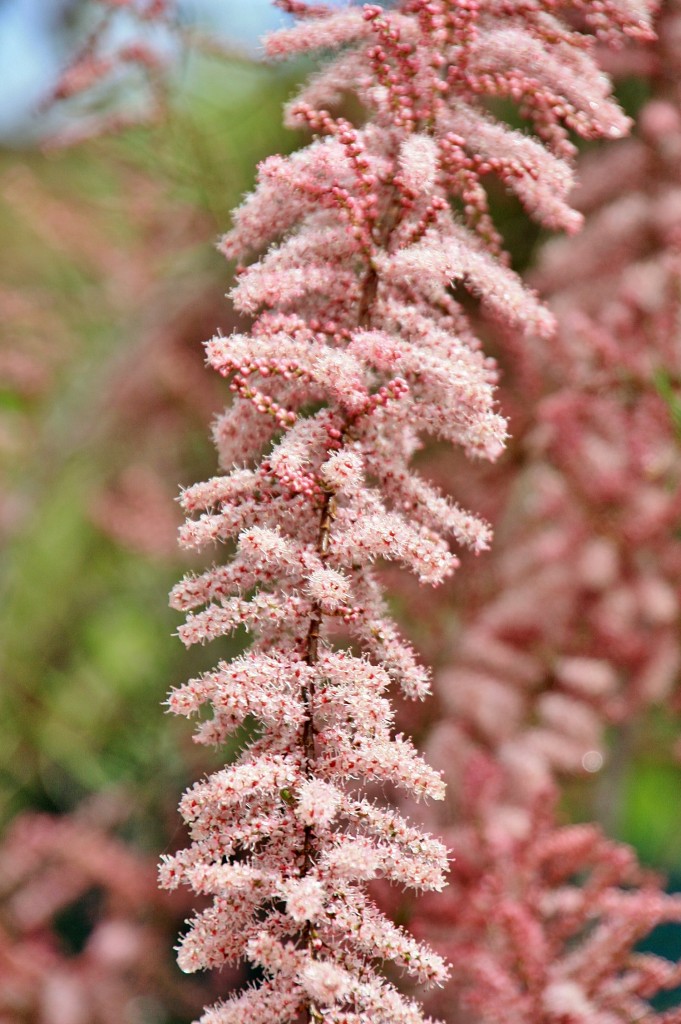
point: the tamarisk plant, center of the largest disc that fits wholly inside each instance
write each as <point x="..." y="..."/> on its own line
<point x="358" y="351"/>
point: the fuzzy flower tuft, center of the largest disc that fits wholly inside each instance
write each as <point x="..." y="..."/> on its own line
<point x="377" y="243"/>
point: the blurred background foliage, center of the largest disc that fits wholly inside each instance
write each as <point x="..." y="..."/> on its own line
<point x="109" y="288"/>
<point x="109" y="285"/>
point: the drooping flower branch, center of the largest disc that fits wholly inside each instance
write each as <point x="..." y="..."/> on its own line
<point x="358" y="350"/>
<point x="132" y="43"/>
<point x="104" y="58"/>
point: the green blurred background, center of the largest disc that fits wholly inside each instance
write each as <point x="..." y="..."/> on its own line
<point x="110" y="283"/>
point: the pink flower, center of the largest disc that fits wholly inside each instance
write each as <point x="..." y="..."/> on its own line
<point x="357" y="351"/>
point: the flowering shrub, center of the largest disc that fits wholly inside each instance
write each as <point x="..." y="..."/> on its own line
<point x="358" y="351"/>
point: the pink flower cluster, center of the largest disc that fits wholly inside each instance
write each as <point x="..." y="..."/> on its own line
<point x="359" y="351"/>
<point x="543" y="928"/>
